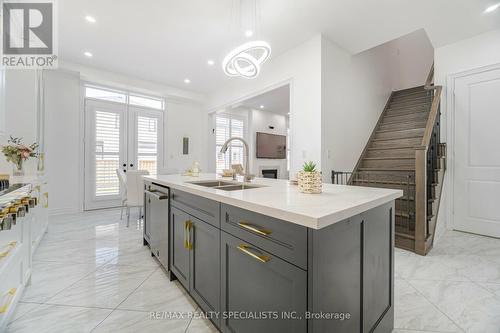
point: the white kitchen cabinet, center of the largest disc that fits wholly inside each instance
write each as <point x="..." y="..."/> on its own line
<point x="2" y="101"/>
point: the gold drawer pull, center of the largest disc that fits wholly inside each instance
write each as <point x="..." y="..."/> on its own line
<point x="10" y="295"/>
<point x="187" y="234"/>
<point x="254" y="228"/>
<point x="46" y="195"/>
<point x="10" y="246"/>
<point x="246" y="249"/>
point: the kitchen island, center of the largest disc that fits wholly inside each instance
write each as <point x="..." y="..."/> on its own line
<point x="266" y="258"/>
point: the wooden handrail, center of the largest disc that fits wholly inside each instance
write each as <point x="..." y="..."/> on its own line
<point x="429" y="85"/>
<point x="429" y="127"/>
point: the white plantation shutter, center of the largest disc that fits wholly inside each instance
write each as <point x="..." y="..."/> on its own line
<point x="107" y="157"/>
<point x="147" y="144"/>
<point x="226" y="127"/>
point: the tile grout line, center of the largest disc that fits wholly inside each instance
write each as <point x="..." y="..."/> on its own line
<point x="435" y="306"/>
<point x="191" y="320"/>
<point x="116" y="307"/>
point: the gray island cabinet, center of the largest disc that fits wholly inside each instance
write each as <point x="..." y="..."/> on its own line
<point x="253" y="273"/>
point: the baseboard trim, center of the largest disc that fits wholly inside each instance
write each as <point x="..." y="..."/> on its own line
<point x="62" y="211"/>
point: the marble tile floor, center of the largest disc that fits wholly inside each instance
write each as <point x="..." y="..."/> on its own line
<point x="92" y="274"/>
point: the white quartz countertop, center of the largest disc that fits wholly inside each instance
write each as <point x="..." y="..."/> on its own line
<point x="279" y="199"/>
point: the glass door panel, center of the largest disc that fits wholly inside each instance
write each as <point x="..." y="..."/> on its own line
<point x="105" y="153"/>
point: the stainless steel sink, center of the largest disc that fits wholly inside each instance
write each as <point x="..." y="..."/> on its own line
<point x="211" y="183"/>
<point x="226" y="186"/>
<point x="237" y="187"/>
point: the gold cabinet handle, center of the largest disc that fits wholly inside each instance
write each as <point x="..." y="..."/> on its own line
<point x="46" y="195"/>
<point x="246" y="249"/>
<point x="10" y="296"/>
<point x="254" y="228"/>
<point x="10" y="246"/>
<point x="187" y="234"/>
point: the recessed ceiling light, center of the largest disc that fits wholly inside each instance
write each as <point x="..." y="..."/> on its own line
<point x="492" y="8"/>
<point x="90" y="19"/>
<point x="88" y="54"/>
<point x="249" y="33"/>
<point x="262" y="106"/>
<point x="187" y="81"/>
<point x="210" y="62"/>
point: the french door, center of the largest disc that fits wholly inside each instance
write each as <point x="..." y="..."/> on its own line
<point x="118" y="136"/>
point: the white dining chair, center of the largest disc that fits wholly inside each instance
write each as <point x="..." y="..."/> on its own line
<point x="135" y="191"/>
<point x="122" y="178"/>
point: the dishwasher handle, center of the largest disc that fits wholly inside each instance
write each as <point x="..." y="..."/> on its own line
<point x="157" y="194"/>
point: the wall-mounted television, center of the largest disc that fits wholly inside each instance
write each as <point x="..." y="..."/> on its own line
<point x="271" y="146"/>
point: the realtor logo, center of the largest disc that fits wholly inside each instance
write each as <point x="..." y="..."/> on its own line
<point x="28" y="34"/>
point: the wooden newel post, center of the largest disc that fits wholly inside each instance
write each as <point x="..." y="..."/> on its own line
<point x="420" y="200"/>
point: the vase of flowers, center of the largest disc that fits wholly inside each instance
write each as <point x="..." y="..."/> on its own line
<point x="17" y="153"/>
<point x="309" y="180"/>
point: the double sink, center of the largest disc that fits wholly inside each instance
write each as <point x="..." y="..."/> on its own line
<point x="225" y="186"/>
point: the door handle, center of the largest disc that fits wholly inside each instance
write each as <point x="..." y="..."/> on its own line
<point x="131" y="165"/>
<point x="124" y="165"/>
<point x="247" y="250"/>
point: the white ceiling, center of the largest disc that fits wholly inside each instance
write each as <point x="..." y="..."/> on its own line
<point x="166" y="41"/>
<point x="276" y="100"/>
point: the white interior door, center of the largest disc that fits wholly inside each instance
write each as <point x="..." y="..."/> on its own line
<point x="145" y="139"/>
<point x="105" y="151"/>
<point x="477" y="153"/>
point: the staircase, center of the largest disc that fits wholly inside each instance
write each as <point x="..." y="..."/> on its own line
<point x="404" y="152"/>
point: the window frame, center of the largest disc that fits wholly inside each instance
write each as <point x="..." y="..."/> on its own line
<point x="228" y="156"/>
<point x="127" y="94"/>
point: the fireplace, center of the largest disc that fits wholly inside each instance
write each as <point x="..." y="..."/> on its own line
<point x="270" y="173"/>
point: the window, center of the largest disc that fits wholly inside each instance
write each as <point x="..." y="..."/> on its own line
<point x="104" y="94"/>
<point x="149" y="102"/>
<point x="107" y="153"/>
<point x="147" y="144"/>
<point x="227" y="126"/>
<point x="124" y="97"/>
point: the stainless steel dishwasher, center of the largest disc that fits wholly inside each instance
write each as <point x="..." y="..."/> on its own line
<point x="156" y="217"/>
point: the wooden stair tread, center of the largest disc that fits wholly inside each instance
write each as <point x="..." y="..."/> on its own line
<point x="403" y="121"/>
<point x="393" y="139"/>
<point x="389" y="158"/>
<point x="400" y="127"/>
<point x="405" y="106"/>
<point x="385" y="148"/>
<point x="411" y="102"/>
<point x="409" y="113"/>
<point x="412" y="89"/>
<point x="388" y="182"/>
<point x="415" y="129"/>
<point x="387" y="169"/>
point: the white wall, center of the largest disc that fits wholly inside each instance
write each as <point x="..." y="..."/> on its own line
<point x="121" y="81"/>
<point x="301" y="66"/>
<point x="259" y="121"/>
<point x="355" y="90"/>
<point x="411" y="58"/>
<point x="64" y="159"/>
<point x="185" y="119"/>
<point x="480" y="51"/>
<point x="20" y="113"/>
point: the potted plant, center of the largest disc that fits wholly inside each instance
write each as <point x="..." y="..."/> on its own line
<point x="309" y="180"/>
<point x="16" y="152"/>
